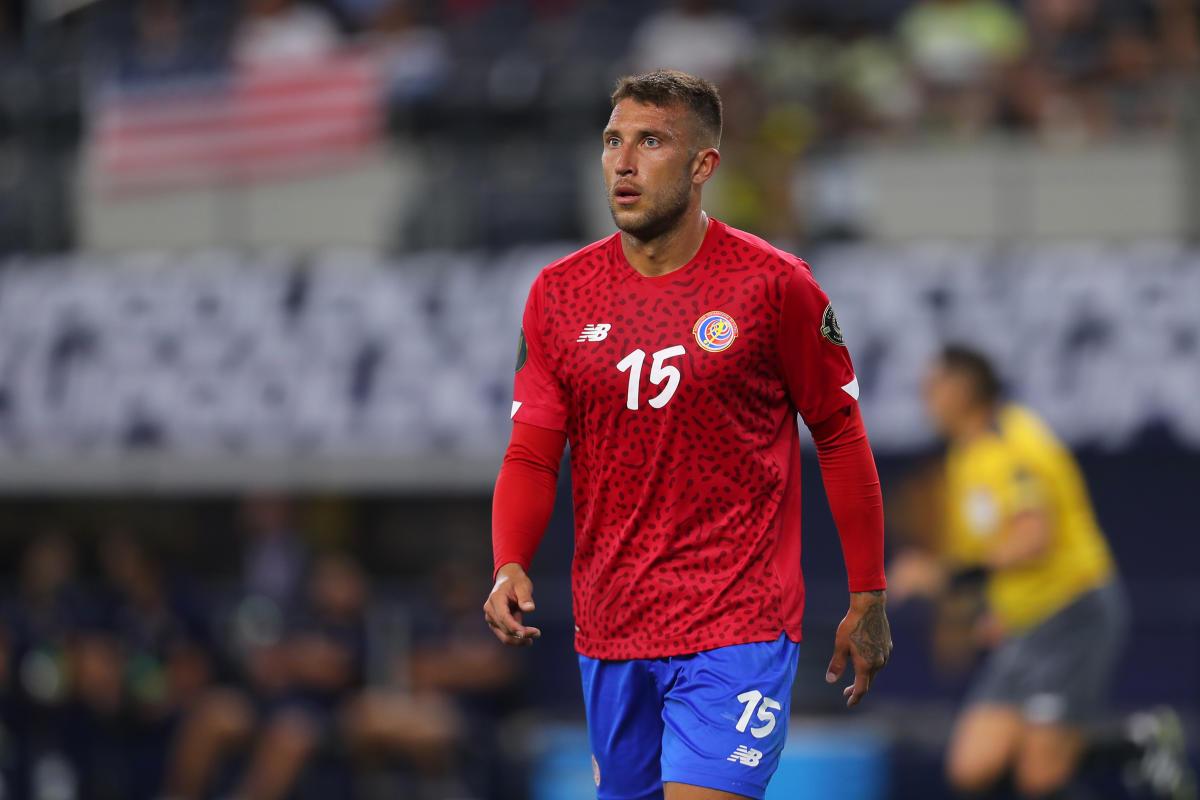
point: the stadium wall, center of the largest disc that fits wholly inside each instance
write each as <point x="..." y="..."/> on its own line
<point x="1006" y="189"/>
<point x="341" y="368"/>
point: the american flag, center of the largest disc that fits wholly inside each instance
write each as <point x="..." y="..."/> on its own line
<point x="246" y="124"/>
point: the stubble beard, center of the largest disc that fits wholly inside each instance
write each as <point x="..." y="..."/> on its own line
<point x="659" y="219"/>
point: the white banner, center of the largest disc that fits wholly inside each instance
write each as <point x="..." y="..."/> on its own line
<point x="209" y="356"/>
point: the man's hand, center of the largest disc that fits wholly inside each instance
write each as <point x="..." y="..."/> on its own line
<point x="511" y="597"/>
<point x="865" y="638"/>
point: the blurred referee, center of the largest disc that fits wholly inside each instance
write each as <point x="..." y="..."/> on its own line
<point x="1020" y="525"/>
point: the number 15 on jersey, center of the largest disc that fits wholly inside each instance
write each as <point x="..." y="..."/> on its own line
<point x="659" y="371"/>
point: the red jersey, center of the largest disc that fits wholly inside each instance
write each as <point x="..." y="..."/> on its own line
<point x="678" y="395"/>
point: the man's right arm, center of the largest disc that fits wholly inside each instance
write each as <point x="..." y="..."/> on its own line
<point x="521" y="507"/>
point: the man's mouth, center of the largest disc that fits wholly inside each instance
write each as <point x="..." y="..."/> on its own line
<point x="626" y="195"/>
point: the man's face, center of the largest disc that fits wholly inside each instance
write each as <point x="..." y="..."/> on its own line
<point x="947" y="397"/>
<point x="649" y="164"/>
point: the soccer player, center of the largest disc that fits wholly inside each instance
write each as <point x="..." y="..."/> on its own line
<point x="674" y="356"/>
<point x="1020" y="524"/>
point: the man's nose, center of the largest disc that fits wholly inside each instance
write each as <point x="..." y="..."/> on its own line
<point x="626" y="164"/>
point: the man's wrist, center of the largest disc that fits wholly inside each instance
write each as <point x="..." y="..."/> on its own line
<point x="510" y="568"/>
<point x="868" y="598"/>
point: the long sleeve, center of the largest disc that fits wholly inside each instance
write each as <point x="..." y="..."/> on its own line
<point x="852" y="486"/>
<point x="524" y="497"/>
<point x="823" y="388"/>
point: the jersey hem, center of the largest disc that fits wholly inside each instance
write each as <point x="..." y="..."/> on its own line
<point x="1023" y="623"/>
<point x="608" y="649"/>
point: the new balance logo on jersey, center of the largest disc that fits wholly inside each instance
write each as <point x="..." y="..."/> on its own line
<point x="746" y="756"/>
<point x="595" y="333"/>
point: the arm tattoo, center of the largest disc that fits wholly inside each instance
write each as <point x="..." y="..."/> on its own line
<point x="872" y="636"/>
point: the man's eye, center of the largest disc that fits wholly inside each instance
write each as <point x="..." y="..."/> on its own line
<point x="651" y="141"/>
<point x="614" y="141"/>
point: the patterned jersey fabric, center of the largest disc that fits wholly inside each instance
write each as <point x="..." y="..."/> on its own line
<point x="678" y="395"/>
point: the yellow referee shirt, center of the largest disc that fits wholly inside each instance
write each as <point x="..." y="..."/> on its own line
<point x="1019" y="467"/>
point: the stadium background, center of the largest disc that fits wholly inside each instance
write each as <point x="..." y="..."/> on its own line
<point x="263" y="266"/>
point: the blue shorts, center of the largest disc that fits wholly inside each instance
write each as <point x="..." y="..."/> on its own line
<point x="716" y="719"/>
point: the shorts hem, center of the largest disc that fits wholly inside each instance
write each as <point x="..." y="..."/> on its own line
<point x="650" y="794"/>
<point x="722" y="783"/>
<point x="1069" y="719"/>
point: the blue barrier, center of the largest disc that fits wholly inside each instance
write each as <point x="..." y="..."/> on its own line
<point x="818" y="762"/>
<point x="831" y="762"/>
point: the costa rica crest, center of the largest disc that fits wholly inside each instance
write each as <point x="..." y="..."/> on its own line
<point x="715" y="331"/>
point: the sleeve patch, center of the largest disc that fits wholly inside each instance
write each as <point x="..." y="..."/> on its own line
<point x="522" y="351"/>
<point x="830" y="328"/>
<point x="1027" y="491"/>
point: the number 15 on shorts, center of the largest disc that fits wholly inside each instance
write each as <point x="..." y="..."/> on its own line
<point x="766" y="708"/>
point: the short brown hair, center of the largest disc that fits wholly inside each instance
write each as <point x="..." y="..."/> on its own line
<point x="666" y="87"/>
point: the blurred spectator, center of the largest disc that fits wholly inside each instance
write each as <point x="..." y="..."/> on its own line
<point x="694" y="37"/>
<point x="100" y="741"/>
<point x="162" y="625"/>
<point x="274" y="31"/>
<point x="66" y="707"/>
<point x="163" y="44"/>
<point x="1097" y="66"/>
<point x="40" y="656"/>
<point x="47" y="611"/>
<point x="826" y="78"/>
<point x="359" y="13"/>
<point x="275" y="557"/>
<point x="455" y="657"/>
<point x="839" y="67"/>
<point x="293" y="709"/>
<point x="416" y="56"/>
<point x="962" y="51"/>
<point x="443" y="728"/>
<point x="161" y="631"/>
<point x="326" y="663"/>
<point x="1063" y="82"/>
<point x="273" y="565"/>
<point x="1137" y="97"/>
<point x="1179" y="23"/>
<point x="99" y="679"/>
<point x="821" y="77"/>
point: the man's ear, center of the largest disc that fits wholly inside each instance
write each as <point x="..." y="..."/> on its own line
<point x="704" y="164"/>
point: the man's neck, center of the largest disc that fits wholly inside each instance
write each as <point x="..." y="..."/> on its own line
<point x="668" y="252"/>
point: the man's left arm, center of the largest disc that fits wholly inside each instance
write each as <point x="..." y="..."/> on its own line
<point x="822" y="385"/>
<point x="851" y="481"/>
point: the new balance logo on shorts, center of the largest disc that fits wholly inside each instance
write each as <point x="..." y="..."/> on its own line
<point x="746" y="756"/>
<point x="597" y="332"/>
